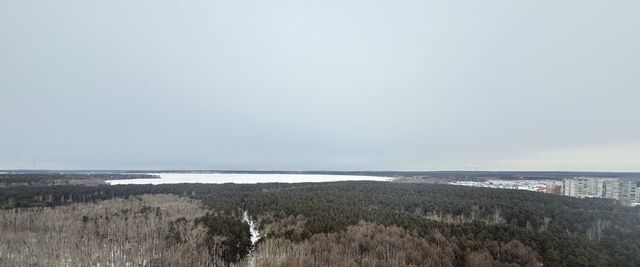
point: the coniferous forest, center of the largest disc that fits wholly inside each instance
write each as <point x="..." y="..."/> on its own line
<point x="311" y="224"/>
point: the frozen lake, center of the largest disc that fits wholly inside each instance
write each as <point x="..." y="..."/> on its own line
<point x="246" y="178"/>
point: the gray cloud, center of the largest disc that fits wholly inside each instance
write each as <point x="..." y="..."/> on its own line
<point x="320" y="84"/>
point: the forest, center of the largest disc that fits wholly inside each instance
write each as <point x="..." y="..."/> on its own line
<point x="332" y="224"/>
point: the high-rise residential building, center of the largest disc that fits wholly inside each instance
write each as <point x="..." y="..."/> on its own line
<point x="584" y="187"/>
<point x="624" y="191"/>
<point x="612" y="189"/>
<point x="627" y="192"/>
<point x="569" y="187"/>
<point x="637" y="193"/>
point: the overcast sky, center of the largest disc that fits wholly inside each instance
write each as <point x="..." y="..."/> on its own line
<point x="324" y="85"/>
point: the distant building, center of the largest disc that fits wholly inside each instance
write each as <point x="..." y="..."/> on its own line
<point x="627" y="192"/>
<point x="637" y="193"/>
<point x="554" y="189"/>
<point x="612" y="188"/>
<point x="569" y="187"/>
<point x="584" y="187"/>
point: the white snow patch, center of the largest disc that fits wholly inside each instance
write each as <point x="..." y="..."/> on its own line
<point x="245" y="178"/>
<point x="255" y="235"/>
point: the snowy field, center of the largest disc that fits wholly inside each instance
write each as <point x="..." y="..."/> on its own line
<point x="245" y="178"/>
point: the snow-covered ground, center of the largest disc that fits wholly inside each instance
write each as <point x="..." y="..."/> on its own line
<point x="255" y="235"/>
<point x="245" y="178"/>
<point x="530" y="185"/>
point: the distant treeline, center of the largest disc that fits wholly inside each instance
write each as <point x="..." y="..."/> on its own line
<point x="50" y="178"/>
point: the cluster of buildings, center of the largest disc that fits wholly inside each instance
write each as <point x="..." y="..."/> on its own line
<point x="624" y="191"/>
<point x="544" y="186"/>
